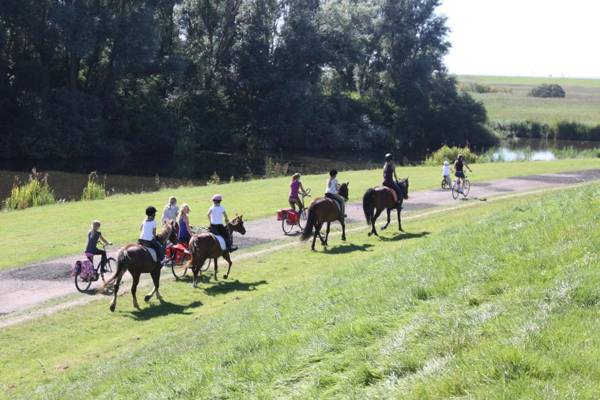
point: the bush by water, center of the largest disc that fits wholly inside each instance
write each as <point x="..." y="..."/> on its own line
<point x="34" y="192"/>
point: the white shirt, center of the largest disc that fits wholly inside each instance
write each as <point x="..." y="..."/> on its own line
<point x="170" y="212"/>
<point x="148" y="228"/>
<point x="216" y="215"/>
<point x="446" y="170"/>
<point x="331" y="186"/>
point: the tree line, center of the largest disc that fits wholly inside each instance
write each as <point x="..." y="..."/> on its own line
<point x="117" y="77"/>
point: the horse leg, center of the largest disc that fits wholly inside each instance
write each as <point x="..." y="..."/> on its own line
<point x="317" y="233"/>
<point x="321" y="236"/>
<point x="217" y="267"/>
<point x="374" y="229"/>
<point x="389" y="213"/>
<point x="156" y="280"/>
<point x="327" y="233"/>
<point x="136" y="280"/>
<point x="343" y="229"/>
<point x="399" y="209"/>
<point x="228" y="259"/>
<point x="113" y="303"/>
<point x="196" y="270"/>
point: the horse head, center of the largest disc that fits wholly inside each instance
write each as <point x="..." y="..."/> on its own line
<point x="403" y="183"/>
<point x="237" y="224"/>
<point x="169" y="232"/>
<point x="343" y="191"/>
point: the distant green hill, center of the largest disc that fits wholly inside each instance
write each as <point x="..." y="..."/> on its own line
<point x="511" y="103"/>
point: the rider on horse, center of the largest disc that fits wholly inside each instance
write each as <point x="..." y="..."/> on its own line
<point x="389" y="176"/>
<point x="332" y="191"/>
<point x="216" y="214"/>
<point x="148" y="234"/>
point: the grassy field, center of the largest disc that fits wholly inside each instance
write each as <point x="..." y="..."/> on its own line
<point x="60" y="229"/>
<point x="496" y="301"/>
<point x="582" y="103"/>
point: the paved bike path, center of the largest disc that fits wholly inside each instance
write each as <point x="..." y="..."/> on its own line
<point x="24" y="288"/>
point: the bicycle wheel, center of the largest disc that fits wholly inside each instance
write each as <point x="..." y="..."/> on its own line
<point x="108" y="269"/>
<point x="302" y="219"/>
<point x="444" y="184"/>
<point x="286" y="226"/>
<point x="82" y="285"/>
<point x="178" y="270"/>
<point x="455" y="192"/>
<point x="466" y="187"/>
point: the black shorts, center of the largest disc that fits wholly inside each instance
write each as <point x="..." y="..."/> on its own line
<point x="459" y="174"/>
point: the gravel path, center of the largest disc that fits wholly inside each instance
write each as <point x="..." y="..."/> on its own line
<point x="22" y="289"/>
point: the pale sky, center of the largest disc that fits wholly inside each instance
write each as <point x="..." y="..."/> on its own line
<point x="524" y="37"/>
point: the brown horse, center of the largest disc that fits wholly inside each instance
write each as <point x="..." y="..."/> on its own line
<point x="382" y="198"/>
<point x="324" y="210"/>
<point x="136" y="260"/>
<point x="205" y="246"/>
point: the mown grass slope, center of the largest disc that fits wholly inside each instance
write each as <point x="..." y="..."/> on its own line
<point x="48" y="232"/>
<point x="511" y="102"/>
<point x="494" y="301"/>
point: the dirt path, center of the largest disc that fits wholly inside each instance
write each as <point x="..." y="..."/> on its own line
<point x="24" y="289"/>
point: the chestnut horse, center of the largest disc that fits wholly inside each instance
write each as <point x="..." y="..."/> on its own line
<point x="205" y="246"/>
<point x="136" y="260"/>
<point x="382" y="198"/>
<point x="324" y="210"/>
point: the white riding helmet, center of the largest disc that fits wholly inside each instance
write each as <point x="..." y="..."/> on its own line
<point x="217" y="197"/>
<point x="446" y="162"/>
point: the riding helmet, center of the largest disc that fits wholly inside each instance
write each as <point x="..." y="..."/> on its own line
<point x="150" y="211"/>
<point x="388" y="157"/>
<point x="217" y="197"/>
<point x="333" y="172"/>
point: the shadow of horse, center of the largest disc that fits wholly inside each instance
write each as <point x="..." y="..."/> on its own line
<point x="347" y="248"/>
<point x="161" y="309"/>
<point x="404" y="236"/>
<point x="222" y="287"/>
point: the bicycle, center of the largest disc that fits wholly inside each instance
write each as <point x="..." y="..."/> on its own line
<point x="290" y="217"/>
<point x="446" y="183"/>
<point x="84" y="272"/>
<point x="178" y="255"/>
<point x="456" y="190"/>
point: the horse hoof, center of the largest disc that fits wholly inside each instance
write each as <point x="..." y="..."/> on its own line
<point x="112" y="307"/>
<point x="147" y="298"/>
<point x="225" y="276"/>
<point x="344" y="238"/>
<point x="370" y="234"/>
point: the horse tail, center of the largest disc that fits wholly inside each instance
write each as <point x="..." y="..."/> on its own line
<point x="311" y="221"/>
<point x="122" y="261"/>
<point x="368" y="205"/>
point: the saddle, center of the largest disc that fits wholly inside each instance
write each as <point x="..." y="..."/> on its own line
<point x="221" y="241"/>
<point x="392" y="191"/>
<point x="151" y="252"/>
<point x="336" y="202"/>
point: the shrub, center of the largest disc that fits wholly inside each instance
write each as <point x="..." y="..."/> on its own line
<point x="523" y="129"/>
<point x="477" y="88"/>
<point x="545" y="90"/>
<point x="275" y="168"/>
<point x="94" y="190"/>
<point x="35" y="192"/>
<point x="214" y="179"/>
<point x="450" y="153"/>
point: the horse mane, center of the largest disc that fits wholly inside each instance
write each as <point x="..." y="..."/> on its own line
<point x="164" y="234"/>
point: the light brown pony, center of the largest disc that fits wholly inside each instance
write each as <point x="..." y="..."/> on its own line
<point x="324" y="210"/>
<point x="382" y="198"/>
<point x="205" y="246"/>
<point x="137" y="261"/>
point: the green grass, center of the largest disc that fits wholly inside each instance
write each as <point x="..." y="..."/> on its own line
<point x="446" y="314"/>
<point x="582" y="103"/>
<point x="47" y="232"/>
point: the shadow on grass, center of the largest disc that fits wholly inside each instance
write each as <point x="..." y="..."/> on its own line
<point x="404" y="236"/>
<point x="162" y="308"/>
<point x="222" y="287"/>
<point x="347" y="248"/>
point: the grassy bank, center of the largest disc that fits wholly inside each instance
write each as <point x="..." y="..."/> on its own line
<point x="60" y="229"/>
<point x="440" y="312"/>
<point x="511" y="103"/>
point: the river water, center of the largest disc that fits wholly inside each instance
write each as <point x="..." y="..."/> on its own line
<point x="137" y="174"/>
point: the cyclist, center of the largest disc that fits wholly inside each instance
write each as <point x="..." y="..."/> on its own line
<point x="148" y="234"/>
<point x="185" y="233"/>
<point x="216" y="216"/>
<point x="459" y="172"/>
<point x="332" y="190"/>
<point x="446" y="172"/>
<point x="389" y="175"/>
<point x="94" y="235"/>
<point x="171" y="210"/>
<point x="295" y="188"/>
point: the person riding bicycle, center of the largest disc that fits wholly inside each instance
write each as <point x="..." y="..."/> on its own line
<point x="148" y="235"/>
<point x="332" y="191"/>
<point x="459" y="172"/>
<point x="94" y="235"/>
<point x="446" y="172"/>
<point x="295" y="188"/>
<point x="171" y="210"/>
<point x="216" y="217"/>
<point x="389" y="176"/>
<point x="185" y="232"/>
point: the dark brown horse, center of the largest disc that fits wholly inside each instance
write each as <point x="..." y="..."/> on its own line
<point x="382" y="198"/>
<point x="137" y="261"/>
<point x="205" y="246"/>
<point x="324" y="210"/>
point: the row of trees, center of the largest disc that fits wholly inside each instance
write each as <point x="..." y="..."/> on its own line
<point x="114" y="77"/>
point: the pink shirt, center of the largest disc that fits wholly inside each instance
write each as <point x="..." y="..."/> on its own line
<point x="294" y="188"/>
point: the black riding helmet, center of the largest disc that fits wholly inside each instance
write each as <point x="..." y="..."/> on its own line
<point x="388" y="157"/>
<point x="333" y="172"/>
<point x="150" y="211"/>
